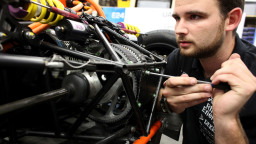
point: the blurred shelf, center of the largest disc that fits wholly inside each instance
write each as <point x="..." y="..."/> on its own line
<point x="251" y="16"/>
<point x="250" y="0"/>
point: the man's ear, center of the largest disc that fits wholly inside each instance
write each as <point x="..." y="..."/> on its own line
<point x="233" y="19"/>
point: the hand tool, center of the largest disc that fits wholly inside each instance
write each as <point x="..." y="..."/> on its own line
<point x="221" y="85"/>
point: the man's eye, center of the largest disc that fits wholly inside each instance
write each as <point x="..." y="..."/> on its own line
<point x="176" y="18"/>
<point x="194" y="17"/>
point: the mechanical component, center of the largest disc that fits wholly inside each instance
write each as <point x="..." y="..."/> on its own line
<point x="88" y="66"/>
<point x="37" y="13"/>
<point x="72" y="30"/>
<point x="115" y="105"/>
<point x="78" y="86"/>
<point x="131" y="29"/>
<point x="94" y="83"/>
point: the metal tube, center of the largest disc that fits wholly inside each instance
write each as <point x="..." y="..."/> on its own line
<point x="131" y="96"/>
<point x="115" y="136"/>
<point x="65" y="136"/>
<point x="40" y="4"/>
<point x="107" y="44"/>
<point x="154" y="103"/>
<point x="30" y="101"/>
<point x="21" y="61"/>
<point x="75" y="54"/>
<point x="169" y="76"/>
<point x="139" y="66"/>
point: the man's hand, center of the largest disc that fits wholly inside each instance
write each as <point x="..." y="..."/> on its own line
<point x="226" y="106"/>
<point x="242" y="83"/>
<point x="182" y="92"/>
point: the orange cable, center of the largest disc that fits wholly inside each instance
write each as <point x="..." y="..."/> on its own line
<point x="34" y="25"/>
<point x="63" y="2"/>
<point x="97" y="8"/>
<point x="153" y="130"/>
<point x="41" y="28"/>
<point x="78" y="6"/>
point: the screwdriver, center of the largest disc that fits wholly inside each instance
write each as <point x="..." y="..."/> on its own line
<point x="221" y="85"/>
<point x="58" y="11"/>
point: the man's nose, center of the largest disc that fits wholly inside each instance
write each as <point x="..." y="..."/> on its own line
<point x="181" y="28"/>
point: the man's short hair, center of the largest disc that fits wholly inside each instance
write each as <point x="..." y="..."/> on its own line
<point x="227" y="5"/>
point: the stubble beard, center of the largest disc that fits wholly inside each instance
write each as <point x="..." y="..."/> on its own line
<point x="204" y="51"/>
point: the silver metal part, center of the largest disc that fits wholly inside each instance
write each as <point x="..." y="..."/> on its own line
<point x="168" y="76"/>
<point x="54" y="65"/>
<point x="30" y="35"/>
<point x="94" y="83"/>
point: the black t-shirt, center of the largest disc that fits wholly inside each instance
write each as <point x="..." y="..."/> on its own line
<point x="198" y="126"/>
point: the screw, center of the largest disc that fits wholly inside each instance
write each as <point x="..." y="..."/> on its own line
<point x="30" y="35"/>
<point x="157" y="70"/>
<point x="2" y="35"/>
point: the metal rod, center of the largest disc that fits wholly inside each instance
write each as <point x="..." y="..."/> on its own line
<point x="30" y="101"/>
<point x="222" y="85"/>
<point x="129" y="91"/>
<point x="168" y="76"/>
<point x="139" y="66"/>
<point x="65" y="136"/>
<point x="115" y="136"/>
<point x="107" y="45"/>
<point x="154" y="103"/>
<point x="75" y="54"/>
<point x="40" y="4"/>
<point x="22" y="61"/>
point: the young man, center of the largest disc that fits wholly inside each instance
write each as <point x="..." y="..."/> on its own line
<point x="210" y="48"/>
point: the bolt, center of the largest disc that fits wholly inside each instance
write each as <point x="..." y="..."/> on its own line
<point x="157" y="70"/>
<point x="139" y="104"/>
<point x="133" y="129"/>
<point x="59" y="29"/>
<point x="91" y="27"/>
<point x="55" y="73"/>
<point x="104" y="77"/>
<point x="2" y="35"/>
<point x="30" y="35"/>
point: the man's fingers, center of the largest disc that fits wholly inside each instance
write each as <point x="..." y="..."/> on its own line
<point x="234" y="55"/>
<point x="184" y="75"/>
<point x="184" y="90"/>
<point x="180" y="81"/>
<point x="188" y="98"/>
<point x="180" y="107"/>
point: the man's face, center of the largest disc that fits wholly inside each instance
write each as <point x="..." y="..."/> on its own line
<point x="199" y="27"/>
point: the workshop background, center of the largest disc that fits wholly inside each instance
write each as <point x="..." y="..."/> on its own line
<point x="153" y="11"/>
<point x="147" y="16"/>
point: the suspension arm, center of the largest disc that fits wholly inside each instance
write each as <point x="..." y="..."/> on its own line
<point x="30" y="101"/>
